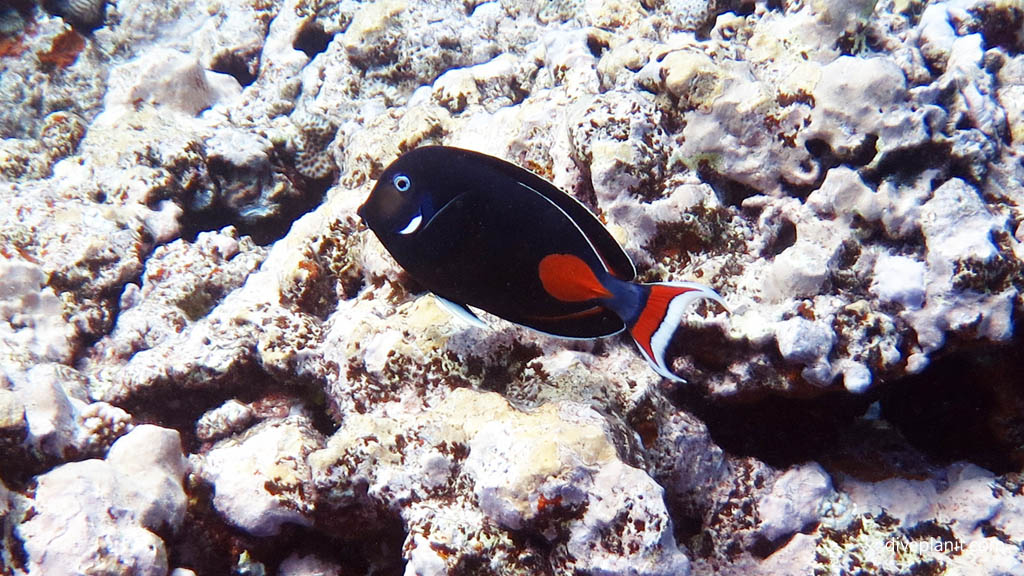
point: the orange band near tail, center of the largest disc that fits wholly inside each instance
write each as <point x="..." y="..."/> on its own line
<point x="569" y="279"/>
<point x="665" y="306"/>
<point x="653" y="315"/>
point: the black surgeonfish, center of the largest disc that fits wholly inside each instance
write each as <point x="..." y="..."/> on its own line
<point x="479" y="231"/>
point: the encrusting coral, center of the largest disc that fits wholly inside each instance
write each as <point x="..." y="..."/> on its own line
<point x="182" y="267"/>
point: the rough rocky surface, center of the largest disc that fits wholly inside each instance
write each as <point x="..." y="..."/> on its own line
<point x="102" y="516"/>
<point x="209" y="366"/>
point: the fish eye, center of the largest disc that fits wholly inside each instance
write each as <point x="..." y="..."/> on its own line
<point x="401" y="182"/>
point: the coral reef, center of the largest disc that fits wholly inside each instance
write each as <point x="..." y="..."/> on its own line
<point x="260" y="479"/>
<point x="208" y="365"/>
<point x="599" y="514"/>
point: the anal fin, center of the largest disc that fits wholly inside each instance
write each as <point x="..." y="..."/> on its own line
<point x="461" y="311"/>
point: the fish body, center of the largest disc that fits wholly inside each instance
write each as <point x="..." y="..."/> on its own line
<point x="478" y="231"/>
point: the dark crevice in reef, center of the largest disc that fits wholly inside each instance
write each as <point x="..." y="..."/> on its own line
<point x="213" y="216"/>
<point x="596" y="45"/>
<point x="586" y="194"/>
<point x="243" y="68"/>
<point x="826" y="158"/>
<point x="312" y="39"/>
<point x="19" y="466"/>
<point x="784" y="238"/>
<point x="171" y="407"/>
<point x="779" y="431"/>
<point x="207" y="544"/>
<point x="731" y="192"/>
<point x="214" y="212"/>
<point x="906" y="164"/>
<point x="873" y="450"/>
<point x="966" y="405"/>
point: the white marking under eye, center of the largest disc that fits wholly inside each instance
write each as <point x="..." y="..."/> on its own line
<point x="413" y="224"/>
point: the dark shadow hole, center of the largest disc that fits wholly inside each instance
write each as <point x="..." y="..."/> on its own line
<point x="762" y="547"/>
<point x="967" y="405"/>
<point x="778" y="430"/>
<point x="207" y="544"/>
<point x="209" y="210"/>
<point x="865" y="152"/>
<point x="243" y="69"/>
<point x="596" y="45"/>
<point x="818" y="148"/>
<point x="784" y="238"/>
<point x="731" y="192"/>
<point x="164" y="404"/>
<point x="827" y="158"/>
<point x="905" y="164"/>
<point x="312" y="39"/>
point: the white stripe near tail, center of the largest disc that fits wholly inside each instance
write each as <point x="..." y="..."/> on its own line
<point x="667" y="302"/>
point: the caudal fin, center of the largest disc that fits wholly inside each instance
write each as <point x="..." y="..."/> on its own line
<point x="664" y="306"/>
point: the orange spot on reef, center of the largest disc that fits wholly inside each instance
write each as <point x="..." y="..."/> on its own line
<point x="14" y="44"/>
<point x="11" y="46"/>
<point x="544" y="503"/>
<point x="64" y="50"/>
<point x="569" y="279"/>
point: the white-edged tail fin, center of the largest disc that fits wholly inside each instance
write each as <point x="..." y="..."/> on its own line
<point x="666" y="304"/>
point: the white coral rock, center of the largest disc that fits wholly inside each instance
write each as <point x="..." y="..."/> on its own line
<point x="261" y="480"/>
<point x="31" y="315"/>
<point x="856" y="97"/>
<point x="102" y="516"/>
<point x="794" y="501"/>
<point x="958" y="229"/>
<point x="554" y="470"/>
<point x="900" y="280"/>
<point x="809" y="343"/>
<point x="168" y="79"/>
